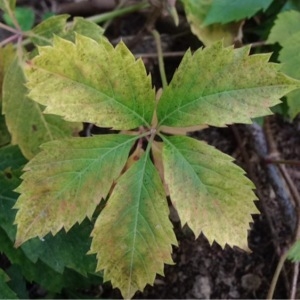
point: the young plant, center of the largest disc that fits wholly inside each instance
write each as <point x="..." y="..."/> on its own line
<point x="133" y="171"/>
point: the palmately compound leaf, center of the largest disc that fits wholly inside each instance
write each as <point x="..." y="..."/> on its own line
<point x="27" y="124"/>
<point x="196" y="13"/>
<point x="210" y="193"/>
<point x="92" y="82"/>
<point x="133" y="234"/>
<point x="64" y="183"/>
<point x="219" y="86"/>
<point x="225" y="11"/>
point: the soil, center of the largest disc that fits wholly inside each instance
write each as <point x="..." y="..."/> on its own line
<point x="202" y="270"/>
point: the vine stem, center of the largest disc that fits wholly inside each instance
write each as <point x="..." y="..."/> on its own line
<point x="295" y="280"/>
<point x="117" y="13"/>
<point x="9" y="40"/>
<point x="8" y="28"/>
<point x="279" y="267"/>
<point x="118" y="7"/>
<point x="160" y="58"/>
<point x="13" y="17"/>
<point x="282" y="161"/>
<point x="153" y="133"/>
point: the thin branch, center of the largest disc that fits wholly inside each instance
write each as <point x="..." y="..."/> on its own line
<point x="160" y="58"/>
<point x="9" y="40"/>
<point x="257" y="44"/>
<point x="282" y="161"/>
<point x="294" y="281"/>
<point x="30" y="34"/>
<point x="8" y="28"/>
<point x="13" y="18"/>
<point x="119" y="6"/>
<point x="117" y="13"/>
<point x="279" y="267"/>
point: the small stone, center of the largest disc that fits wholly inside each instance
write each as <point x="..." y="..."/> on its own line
<point x="202" y="287"/>
<point x="251" y="282"/>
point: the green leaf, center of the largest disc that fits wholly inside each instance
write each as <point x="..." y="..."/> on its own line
<point x="11" y="157"/>
<point x="7" y="55"/>
<point x="225" y="11"/>
<point x="44" y="31"/>
<point x="40" y="273"/>
<point x="86" y="28"/>
<point x="17" y="282"/>
<point x="7" y="5"/>
<point x="196" y="13"/>
<point x="9" y="180"/>
<point x="47" y="15"/>
<point x="294" y="252"/>
<point x="210" y="193"/>
<point x="58" y="252"/>
<point x="3" y="276"/>
<point x="286" y="32"/>
<point x="4" y="134"/>
<point x="24" y="16"/>
<point x="290" y="58"/>
<point x="98" y="83"/>
<point x="25" y="120"/>
<point x="286" y="25"/>
<point x="64" y="250"/>
<point x="135" y="224"/>
<point x="57" y="25"/>
<point x="65" y="182"/>
<point x="219" y="86"/>
<point x="291" y="5"/>
<point x="293" y="101"/>
<point x="5" y="290"/>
